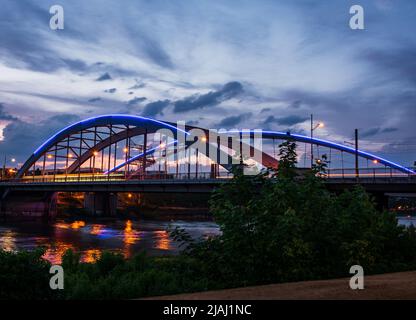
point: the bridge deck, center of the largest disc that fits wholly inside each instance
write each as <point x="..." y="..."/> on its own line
<point x="194" y="185"/>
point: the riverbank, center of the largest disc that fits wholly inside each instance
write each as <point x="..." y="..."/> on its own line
<point x="401" y="285"/>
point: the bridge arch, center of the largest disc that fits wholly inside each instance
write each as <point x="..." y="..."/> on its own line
<point x="143" y="125"/>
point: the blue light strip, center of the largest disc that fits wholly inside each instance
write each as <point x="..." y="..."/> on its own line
<point x="95" y="119"/>
<point x="134" y="120"/>
<point x="338" y="146"/>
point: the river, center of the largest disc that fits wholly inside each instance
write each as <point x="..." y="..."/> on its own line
<point x="90" y="238"/>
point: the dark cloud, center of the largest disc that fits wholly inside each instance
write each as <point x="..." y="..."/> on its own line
<point x="104" y="77"/>
<point x="4" y="115"/>
<point x="285" y="121"/>
<point x="233" y="120"/>
<point x="155" y="108"/>
<point x="94" y="99"/>
<point x="399" y="62"/>
<point x="264" y="110"/>
<point x="112" y="90"/>
<point x="388" y="130"/>
<point x="76" y="65"/>
<point x="137" y="86"/>
<point x="22" y="138"/>
<point x="135" y="101"/>
<point x="212" y="98"/>
<point x="296" y="104"/>
<point x="374" y="131"/>
<point x="153" y="50"/>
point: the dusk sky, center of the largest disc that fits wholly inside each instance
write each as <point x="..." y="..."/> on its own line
<point x="216" y="64"/>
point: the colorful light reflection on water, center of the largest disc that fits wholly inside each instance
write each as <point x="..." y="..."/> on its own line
<point x="90" y="239"/>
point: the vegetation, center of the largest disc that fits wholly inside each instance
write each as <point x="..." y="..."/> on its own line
<point x="277" y="226"/>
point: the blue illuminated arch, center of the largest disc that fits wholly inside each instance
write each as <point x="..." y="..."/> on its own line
<point x="104" y="120"/>
<point x="122" y="119"/>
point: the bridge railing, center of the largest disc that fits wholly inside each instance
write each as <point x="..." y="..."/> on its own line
<point x="367" y="173"/>
<point x="119" y="177"/>
<point x="364" y="174"/>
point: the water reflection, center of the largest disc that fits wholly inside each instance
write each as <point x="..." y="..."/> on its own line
<point x="130" y="236"/>
<point x="90" y="239"/>
<point x="162" y="240"/>
<point x="8" y="240"/>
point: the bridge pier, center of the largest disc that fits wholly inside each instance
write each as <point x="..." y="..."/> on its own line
<point x="381" y="201"/>
<point x="36" y="205"/>
<point x="101" y="203"/>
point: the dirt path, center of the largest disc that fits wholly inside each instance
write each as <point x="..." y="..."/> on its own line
<point x="387" y="286"/>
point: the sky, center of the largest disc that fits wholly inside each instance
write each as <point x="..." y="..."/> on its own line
<point x="214" y="63"/>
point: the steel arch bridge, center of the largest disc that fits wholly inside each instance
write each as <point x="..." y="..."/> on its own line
<point x="120" y="146"/>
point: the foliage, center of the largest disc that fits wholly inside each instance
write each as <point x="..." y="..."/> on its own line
<point x="24" y="275"/>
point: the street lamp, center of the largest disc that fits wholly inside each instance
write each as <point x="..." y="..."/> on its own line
<point x="313" y="128"/>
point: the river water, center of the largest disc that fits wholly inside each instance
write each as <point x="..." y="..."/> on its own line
<point x="90" y="238"/>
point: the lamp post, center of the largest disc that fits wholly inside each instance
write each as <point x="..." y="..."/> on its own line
<point x="313" y="128"/>
<point x="357" y="172"/>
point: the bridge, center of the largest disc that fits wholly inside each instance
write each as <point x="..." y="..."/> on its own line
<point x="128" y="153"/>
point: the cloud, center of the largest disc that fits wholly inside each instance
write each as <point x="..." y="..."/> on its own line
<point x="4" y="115"/>
<point x="135" y="101"/>
<point x="233" y="120"/>
<point x="155" y="108"/>
<point x="399" y="63"/>
<point x="374" y="131"/>
<point x="94" y="99"/>
<point x="286" y="120"/>
<point x="137" y="86"/>
<point x="112" y="90"/>
<point x="212" y="98"/>
<point x="104" y="77"/>
<point x="22" y="138"/>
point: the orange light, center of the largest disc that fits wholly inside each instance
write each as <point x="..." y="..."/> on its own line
<point x="128" y="227"/>
<point x="129" y="195"/>
<point x="125" y="150"/>
<point x="95" y="153"/>
<point x="162" y="145"/>
<point x="49" y="156"/>
<point x="70" y="155"/>
<point x="321" y="125"/>
<point x="77" y="224"/>
<point x="375" y="161"/>
<point x="204" y="139"/>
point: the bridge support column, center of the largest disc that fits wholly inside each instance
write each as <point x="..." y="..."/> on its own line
<point x="101" y="203"/>
<point x="36" y="205"/>
<point x="382" y="201"/>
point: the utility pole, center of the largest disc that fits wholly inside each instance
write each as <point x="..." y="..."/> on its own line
<point x="357" y="172"/>
<point x="311" y="141"/>
<point x="3" y="173"/>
